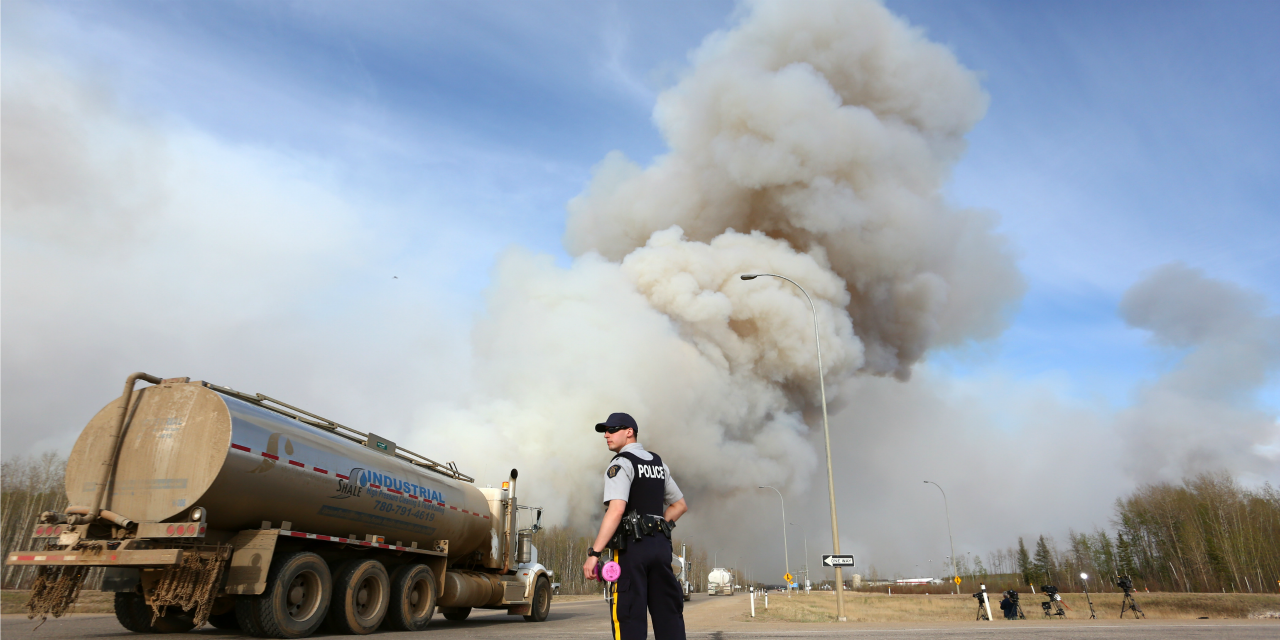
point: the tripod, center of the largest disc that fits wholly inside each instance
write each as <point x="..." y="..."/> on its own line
<point x="1130" y="604"/>
<point x="1053" y="607"/>
<point x="1092" y="614"/>
<point x="982" y="613"/>
<point x="984" y="607"/>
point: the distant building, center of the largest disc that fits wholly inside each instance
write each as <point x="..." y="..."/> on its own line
<point x="910" y="581"/>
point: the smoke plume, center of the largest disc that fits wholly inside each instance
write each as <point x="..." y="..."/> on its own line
<point x="1203" y="415"/>
<point x="811" y="141"/>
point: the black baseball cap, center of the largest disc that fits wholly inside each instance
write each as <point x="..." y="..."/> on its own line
<point x="618" y="421"/>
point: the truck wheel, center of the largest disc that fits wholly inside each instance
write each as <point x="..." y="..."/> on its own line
<point x="129" y="610"/>
<point x="223" y="615"/>
<point x="541" y="605"/>
<point x="361" y="595"/>
<point x="456" y="614"/>
<point x="134" y="614"/>
<point x="294" y="602"/>
<point x="413" y="598"/>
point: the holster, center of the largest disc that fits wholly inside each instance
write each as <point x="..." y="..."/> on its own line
<point x="634" y="525"/>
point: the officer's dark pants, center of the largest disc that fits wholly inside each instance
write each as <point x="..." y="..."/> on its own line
<point x="647" y="581"/>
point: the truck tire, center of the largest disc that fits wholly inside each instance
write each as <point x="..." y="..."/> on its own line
<point x="223" y="615"/>
<point x="413" y="598"/>
<point x="361" y="595"/>
<point x="456" y="614"/>
<point x="295" y="600"/>
<point x="540" y="608"/>
<point x="134" y="614"/>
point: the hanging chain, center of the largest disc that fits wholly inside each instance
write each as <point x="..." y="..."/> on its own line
<point x="193" y="584"/>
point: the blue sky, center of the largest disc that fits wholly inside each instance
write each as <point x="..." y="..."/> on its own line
<point x="1121" y="136"/>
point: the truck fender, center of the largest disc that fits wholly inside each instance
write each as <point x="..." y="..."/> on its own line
<point x="250" y="561"/>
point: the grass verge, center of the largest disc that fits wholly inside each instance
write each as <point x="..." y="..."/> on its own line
<point x="12" y="601"/>
<point x="876" y="607"/>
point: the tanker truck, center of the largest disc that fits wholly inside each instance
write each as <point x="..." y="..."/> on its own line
<point x="204" y="503"/>
<point x="720" y="581"/>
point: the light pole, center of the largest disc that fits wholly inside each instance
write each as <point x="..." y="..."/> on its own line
<point x="951" y="539"/>
<point x="1093" y="615"/>
<point x="826" y="432"/>
<point x="806" y="558"/>
<point x="785" y="557"/>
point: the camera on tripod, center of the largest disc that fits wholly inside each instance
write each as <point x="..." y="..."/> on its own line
<point x="1052" y="606"/>
<point x="978" y="595"/>
<point x="1012" y="595"/>
<point x="1124" y="582"/>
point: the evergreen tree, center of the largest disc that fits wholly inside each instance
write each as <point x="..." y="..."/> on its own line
<point x="1124" y="555"/>
<point x="1024" y="562"/>
<point x="1043" y="564"/>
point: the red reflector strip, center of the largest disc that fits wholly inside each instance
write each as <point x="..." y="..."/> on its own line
<point x="297" y="464"/>
<point x="341" y="476"/>
<point x="414" y="497"/>
<point x="486" y="517"/>
<point x="319" y="470"/>
<point x="239" y="447"/>
<point x="297" y="534"/>
<point x="375" y="486"/>
<point x="399" y="493"/>
<point x="440" y="504"/>
<point x="465" y="511"/>
<point x="267" y="455"/>
<point x="453" y="507"/>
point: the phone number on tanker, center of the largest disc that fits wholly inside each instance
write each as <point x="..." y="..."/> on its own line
<point x="402" y="510"/>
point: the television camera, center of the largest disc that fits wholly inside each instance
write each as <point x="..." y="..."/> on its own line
<point x="1128" y="604"/>
<point x="1052" y="606"/>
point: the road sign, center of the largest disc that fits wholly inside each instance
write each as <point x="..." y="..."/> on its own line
<point x="788" y="578"/>
<point x="837" y="561"/>
<point x="957" y="579"/>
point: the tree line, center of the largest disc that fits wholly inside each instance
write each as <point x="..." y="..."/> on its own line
<point x="28" y="487"/>
<point x="1206" y="534"/>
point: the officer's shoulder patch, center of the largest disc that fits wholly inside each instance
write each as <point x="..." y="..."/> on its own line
<point x="613" y="471"/>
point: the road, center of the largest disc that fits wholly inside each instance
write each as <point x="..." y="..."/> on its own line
<point x="710" y="619"/>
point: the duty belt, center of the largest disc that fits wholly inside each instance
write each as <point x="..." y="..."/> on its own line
<point x="634" y="525"/>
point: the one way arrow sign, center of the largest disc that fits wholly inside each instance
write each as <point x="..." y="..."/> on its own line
<point x="837" y="561"/>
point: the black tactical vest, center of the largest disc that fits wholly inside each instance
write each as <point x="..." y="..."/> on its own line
<point x="648" y="484"/>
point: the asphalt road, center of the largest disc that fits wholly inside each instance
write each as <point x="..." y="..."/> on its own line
<point x="710" y="619"/>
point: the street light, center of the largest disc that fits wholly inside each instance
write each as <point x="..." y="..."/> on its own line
<point x="785" y="558"/>
<point x="953" y="541"/>
<point x="806" y="557"/>
<point x="826" y="433"/>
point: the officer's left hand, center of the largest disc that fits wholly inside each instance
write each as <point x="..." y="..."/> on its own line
<point x="589" y="567"/>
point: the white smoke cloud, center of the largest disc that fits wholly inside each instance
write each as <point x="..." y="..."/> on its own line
<point x="811" y="140"/>
<point x="1202" y="415"/>
<point x="133" y="243"/>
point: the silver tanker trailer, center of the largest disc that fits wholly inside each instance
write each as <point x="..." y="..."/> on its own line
<point x="205" y="503"/>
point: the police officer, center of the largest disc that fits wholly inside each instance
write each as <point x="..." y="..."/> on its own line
<point x="643" y="504"/>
